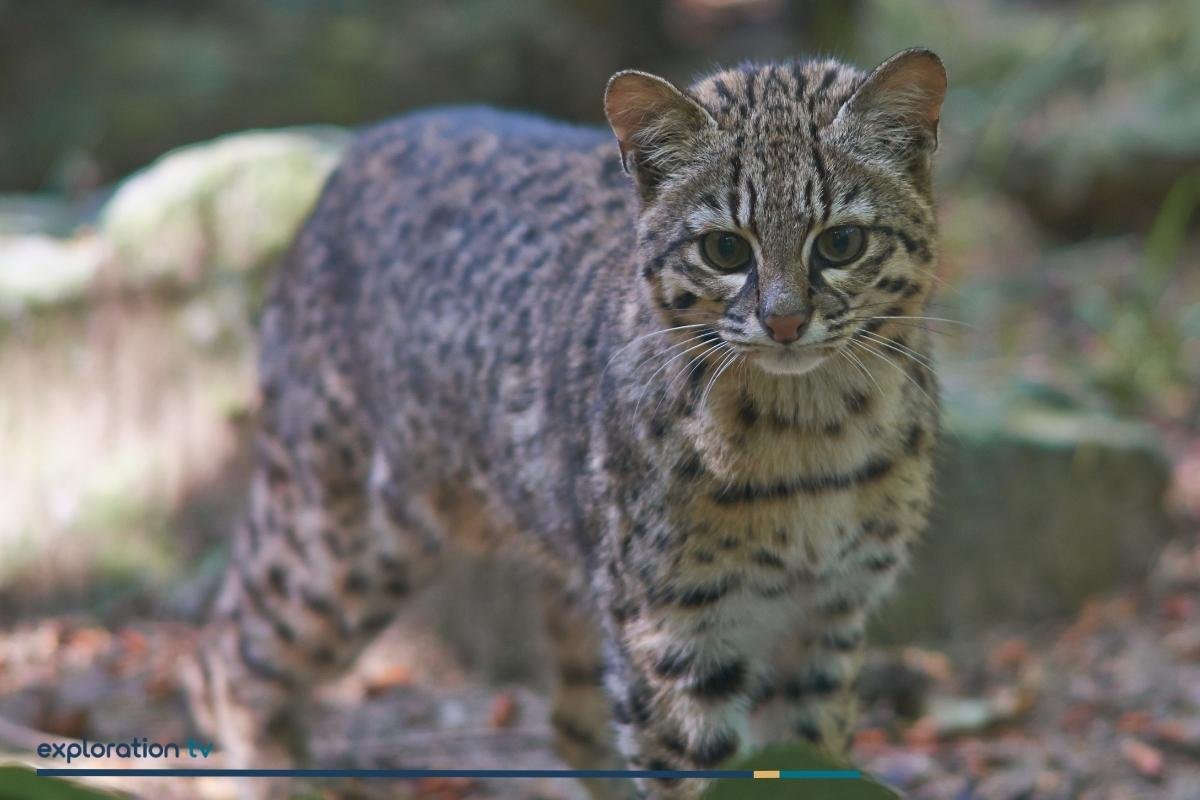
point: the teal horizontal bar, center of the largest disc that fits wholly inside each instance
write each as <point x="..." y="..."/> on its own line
<point x="820" y="774"/>
<point x="721" y="774"/>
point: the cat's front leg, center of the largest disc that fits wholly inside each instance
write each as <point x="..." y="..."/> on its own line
<point x="680" y="681"/>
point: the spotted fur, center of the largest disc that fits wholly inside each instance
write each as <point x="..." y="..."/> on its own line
<point x="488" y="332"/>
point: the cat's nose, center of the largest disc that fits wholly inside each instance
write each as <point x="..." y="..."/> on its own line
<point x="786" y="328"/>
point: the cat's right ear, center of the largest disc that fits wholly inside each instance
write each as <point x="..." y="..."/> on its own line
<point x="658" y="127"/>
<point x="893" y="114"/>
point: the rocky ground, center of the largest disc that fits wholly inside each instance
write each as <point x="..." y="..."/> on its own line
<point x="1103" y="707"/>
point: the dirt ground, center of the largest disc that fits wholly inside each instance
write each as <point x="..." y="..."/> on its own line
<point x="1102" y="707"/>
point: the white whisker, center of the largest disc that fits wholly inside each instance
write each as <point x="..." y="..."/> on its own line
<point x="686" y="371"/>
<point x="729" y="358"/>
<point x="666" y="351"/>
<point x="899" y="348"/>
<point x="897" y="367"/>
<point x="637" y="339"/>
<point x="854" y="359"/>
<point x="650" y="380"/>
<point x="930" y="319"/>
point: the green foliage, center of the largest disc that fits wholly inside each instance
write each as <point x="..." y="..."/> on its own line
<point x="1143" y="355"/>
<point x="796" y="756"/>
<point x="19" y="783"/>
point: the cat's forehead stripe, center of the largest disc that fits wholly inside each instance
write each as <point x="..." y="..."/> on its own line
<point x="772" y="98"/>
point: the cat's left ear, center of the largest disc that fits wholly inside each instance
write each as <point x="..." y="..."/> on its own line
<point x="658" y="127"/>
<point x="894" y="112"/>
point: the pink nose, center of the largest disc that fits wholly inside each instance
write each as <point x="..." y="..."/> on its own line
<point x="785" y="328"/>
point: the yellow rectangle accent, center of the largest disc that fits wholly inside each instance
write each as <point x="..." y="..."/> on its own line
<point x="766" y="773"/>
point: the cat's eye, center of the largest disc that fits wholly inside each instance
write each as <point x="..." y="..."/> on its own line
<point x="839" y="245"/>
<point x="725" y="251"/>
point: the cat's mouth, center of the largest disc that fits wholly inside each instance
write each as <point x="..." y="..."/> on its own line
<point x="787" y="359"/>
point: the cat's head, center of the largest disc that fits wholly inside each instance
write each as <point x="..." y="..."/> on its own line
<point x="785" y="207"/>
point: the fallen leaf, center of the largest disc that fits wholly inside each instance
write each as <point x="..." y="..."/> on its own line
<point x="162" y="684"/>
<point x="71" y="722"/>
<point x="132" y="641"/>
<point x="1078" y="718"/>
<point x="1177" y="607"/>
<point x="1183" y="734"/>
<point x="88" y="641"/>
<point x="1008" y="702"/>
<point x="1050" y="782"/>
<point x="1009" y="654"/>
<point x="1185" y="642"/>
<point x="504" y="710"/>
<point x="934" y="664"/>
<point x="1134" y="722"/>
<point x="443" y="788"/>
<point x="923" y="733"/>
<point x="871" y="739"/>
<point x="388" y="679"/>
<point x="1147" y="760"/>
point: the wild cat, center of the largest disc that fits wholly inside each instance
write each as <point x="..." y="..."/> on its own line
<point x="686" y="374"/>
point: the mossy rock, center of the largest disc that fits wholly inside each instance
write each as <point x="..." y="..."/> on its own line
<point x="38" y="270"/>
<point x="1034" y="512"/>
<point x="232" y="204"/>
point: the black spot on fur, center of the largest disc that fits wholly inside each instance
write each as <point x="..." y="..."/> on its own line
<point x="283" y="630"/>
<point x="857" y="402"/>
<point x="570" y="729"/>
<point x="260" y="668"/>
<point x="698" y="596"/>
<point x="317" y="603"/>
<point x="324" y="656"/>
<point x="684" y="300"/>
<point x="837" y="607"/>
<point x="846" y="641"/>
<point x="816" y="684"/>
<point x="881" y="530"/>
<point x="747" y="413"/>
<point x="873" y="470"/>
<point x="768" y="559"/>
<point x="638" y="704"/>
<point x="673" y="663"/>
<point x="715" y="748"/>
<point x="673" y="743"/>
<point x="658" y="765"/>
<point x="277" y="579"/>
<point x="356" y="582"/>
<point x="881" y="563"/>
<point x="721" y="682"/>
<point x="915" y="438"/>
<point x="808" y="730"/>
<point x="373" y="623"/>
<point x="690" y="467"/>
<point x="828" y="79"/>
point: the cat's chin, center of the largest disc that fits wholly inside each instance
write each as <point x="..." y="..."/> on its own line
<point x="790" y="362"/>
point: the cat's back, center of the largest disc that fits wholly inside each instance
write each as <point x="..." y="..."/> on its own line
<point x="436" y="182"/>
<point x="452" y="250"/>
<point x="445" y="200"/>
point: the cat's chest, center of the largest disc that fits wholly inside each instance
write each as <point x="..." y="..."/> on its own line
<point x="781" y="494"/>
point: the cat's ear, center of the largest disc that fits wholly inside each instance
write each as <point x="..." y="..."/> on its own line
<point x="658" y="127"/>
<point x="894" y="112"/>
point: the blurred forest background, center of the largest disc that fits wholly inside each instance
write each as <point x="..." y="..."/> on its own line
<point x="155" y="158"/>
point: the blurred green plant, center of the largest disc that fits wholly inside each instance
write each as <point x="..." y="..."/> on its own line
<point x="1142" y="359"/>
<point x="20" y="783"/>
<point x="796" y="756"/>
